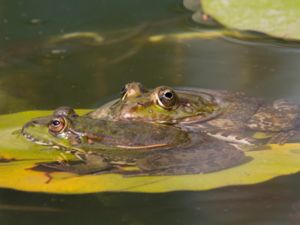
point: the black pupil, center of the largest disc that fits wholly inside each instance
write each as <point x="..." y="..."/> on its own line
<point x="56" y="123"/>
<point x="168" y="95"/>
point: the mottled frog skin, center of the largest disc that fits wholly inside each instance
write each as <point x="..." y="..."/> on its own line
<point x="241" y="117"/>
<point x="230" y="116"/>
<point x="111" y="146"/>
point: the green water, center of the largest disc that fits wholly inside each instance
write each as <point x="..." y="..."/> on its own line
<point x="275" y="202"/>
<point x="83" y="75"/>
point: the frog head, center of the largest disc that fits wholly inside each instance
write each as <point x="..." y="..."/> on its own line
<point x="160" y="105"/>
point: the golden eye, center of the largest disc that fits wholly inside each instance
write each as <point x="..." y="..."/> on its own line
<point x="166" y="98"/>
<point x="58" y="125"/>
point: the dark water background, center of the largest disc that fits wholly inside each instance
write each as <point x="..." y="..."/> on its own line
<point x="35" y="74"/>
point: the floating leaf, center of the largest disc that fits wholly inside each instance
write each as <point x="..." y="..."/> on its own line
<point x="18" y="158"/>
<point x="277" y="18"/>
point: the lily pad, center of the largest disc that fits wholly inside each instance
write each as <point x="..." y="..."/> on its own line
<point x="277" y="18"/>
<point x="18" y="159"/>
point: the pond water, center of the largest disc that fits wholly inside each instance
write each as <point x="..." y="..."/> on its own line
<point x="39" y="70"/>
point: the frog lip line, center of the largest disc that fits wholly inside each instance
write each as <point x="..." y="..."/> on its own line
<point x="32" y="138"/>
<point x="43" y="142"/>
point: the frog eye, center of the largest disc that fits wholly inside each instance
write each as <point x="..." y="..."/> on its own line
<point x="166" y="98"/>
<point x="57" y="125"/>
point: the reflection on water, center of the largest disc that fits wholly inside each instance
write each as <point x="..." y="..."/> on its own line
<point x="271" y="203"/>
<point x="37" y="75"/>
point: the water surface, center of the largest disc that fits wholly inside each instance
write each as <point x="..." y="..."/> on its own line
<point x="37" y="75"/>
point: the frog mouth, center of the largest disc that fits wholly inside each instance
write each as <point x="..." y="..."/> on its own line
<point x="30" y="137"/>
<point x="37" y="136"/>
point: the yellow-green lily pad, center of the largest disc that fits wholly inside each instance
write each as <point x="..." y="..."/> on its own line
<point x="18" y="157"/>
<point x="277" y="18"/>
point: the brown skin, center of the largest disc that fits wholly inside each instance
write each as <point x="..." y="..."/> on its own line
<point x="242" y="116"/>
<point x="230" y="116"/>
<point x="105" y="146"/>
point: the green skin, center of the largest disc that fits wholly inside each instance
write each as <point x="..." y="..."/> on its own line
<point x="140" y="104"/>
<point x="230" y="116"/>
<point x="151" y="149"/>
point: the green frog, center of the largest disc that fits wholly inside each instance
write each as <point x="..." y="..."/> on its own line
<point x="114" y="146"/>
<point x="160" y="105"/>
<point x="231" y="116"/>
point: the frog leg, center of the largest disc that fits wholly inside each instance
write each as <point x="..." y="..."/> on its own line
<point x="278" y="119"/>
<point x="90" y="165"/>
<point x="209" y="155"/>
<point x="189" y="164"/>
<point x="235" y="136"/>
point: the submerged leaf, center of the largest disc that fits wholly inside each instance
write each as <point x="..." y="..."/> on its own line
<point x="277" y="18"/>
<point x="18" y="160"/>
